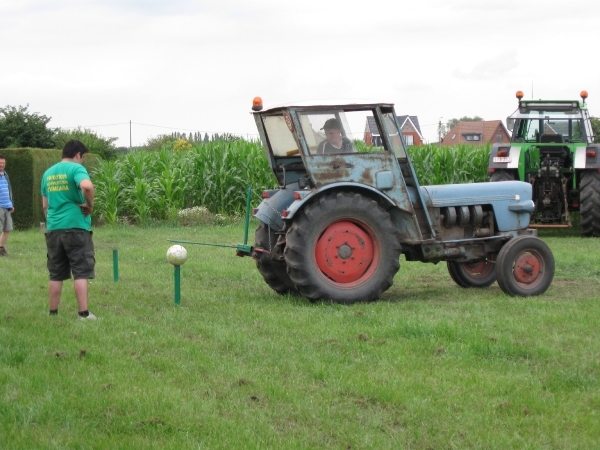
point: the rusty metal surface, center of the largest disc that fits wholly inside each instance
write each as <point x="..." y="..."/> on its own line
<point x="536" y="225"/>
<point x="359" y="168"/>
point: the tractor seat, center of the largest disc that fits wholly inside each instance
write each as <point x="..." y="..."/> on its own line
<point x="552" y="151"/>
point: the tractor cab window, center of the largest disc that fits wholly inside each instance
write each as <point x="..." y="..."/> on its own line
<point x="281" y="138"/>
<point x="567" y="124"/>
<point x="394" y="135"/>
<point x="327" y="133"/>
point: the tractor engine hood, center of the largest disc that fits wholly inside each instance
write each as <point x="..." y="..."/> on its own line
<point x="511" y="200"/>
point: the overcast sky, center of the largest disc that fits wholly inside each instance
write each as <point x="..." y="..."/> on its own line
<point x="183" y="65"/>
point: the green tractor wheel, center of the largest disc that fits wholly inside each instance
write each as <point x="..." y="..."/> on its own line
<point x="590" y="204"/>
<point x="502" y="175"/>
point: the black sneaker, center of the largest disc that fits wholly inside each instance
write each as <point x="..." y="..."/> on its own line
<point x="3" y="252"/>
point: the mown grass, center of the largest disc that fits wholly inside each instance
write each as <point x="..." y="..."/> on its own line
<point x="430" y="365"/>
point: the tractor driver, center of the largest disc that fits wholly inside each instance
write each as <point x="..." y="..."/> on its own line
<point x="335" y="142"/>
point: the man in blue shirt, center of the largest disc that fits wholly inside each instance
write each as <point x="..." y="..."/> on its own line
<point x="6" y="206"/>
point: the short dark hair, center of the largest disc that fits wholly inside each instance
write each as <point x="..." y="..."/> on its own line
<point x="332" y="124"/>
<point x="73" y="147"/>
<point x="2" y="157"/>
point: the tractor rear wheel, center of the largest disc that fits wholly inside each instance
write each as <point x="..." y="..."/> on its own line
<point x="476" y="274"/>
<point x="344" y="248"/>
<point x="525" y="266"/>
<point x="273" y="270"/>
<point x="590" y="204"/>
<point x="502" y="175"/>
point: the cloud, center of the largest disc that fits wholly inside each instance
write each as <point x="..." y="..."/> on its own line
<point x="495" y="67"/>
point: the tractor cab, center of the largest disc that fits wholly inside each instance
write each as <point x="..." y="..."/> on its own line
<point x="312" y="148"/>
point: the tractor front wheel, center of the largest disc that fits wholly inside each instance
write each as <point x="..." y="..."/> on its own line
<point x="525" y="266"/>
<point x="272" y="269"/>
<point x="344" y="248"/>
<point x="590" y="204"/>
<point x="476" y="274"/>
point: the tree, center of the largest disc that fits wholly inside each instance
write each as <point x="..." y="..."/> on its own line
<point x="156" y="143"/>
<point x="20" y="128"/>
<point x="596" y="128"/>
<point x="102" y="146"/>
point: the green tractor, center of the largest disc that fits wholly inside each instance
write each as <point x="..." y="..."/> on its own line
<point x="552" y="148"/>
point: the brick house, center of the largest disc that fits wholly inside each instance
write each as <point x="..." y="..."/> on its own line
<point x="410" y="131"/>
<point x="477" y="133"/>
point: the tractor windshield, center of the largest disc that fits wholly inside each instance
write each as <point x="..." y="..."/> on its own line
<point x="529" y="129"/>
<point x="334" y="132"/>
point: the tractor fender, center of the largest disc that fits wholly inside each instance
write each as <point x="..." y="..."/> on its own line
<point x="511" y="161"/>
<point x="270" y="209"/>
<point x="296" y="205"/>
<point x="587" y="157"/>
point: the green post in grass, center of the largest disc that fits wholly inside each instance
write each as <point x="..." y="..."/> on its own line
<point x="116" y="265"/>
<point x="177" y="279"/>
<point x="247" y="221"/>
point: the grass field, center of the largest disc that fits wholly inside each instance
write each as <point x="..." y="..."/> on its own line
<point x="429" y="366"/>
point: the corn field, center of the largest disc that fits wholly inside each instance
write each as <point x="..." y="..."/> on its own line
<point x="145" y="186"/>
<point x="141" y="186"/>
<point x="450" y="165"/>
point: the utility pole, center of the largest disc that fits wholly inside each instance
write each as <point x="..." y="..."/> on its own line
<point x="440" y="131"/>
<point x="130" y="135"/>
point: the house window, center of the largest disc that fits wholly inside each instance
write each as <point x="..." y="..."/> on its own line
<point x="409" y="139"/>
<point x="499" y="137"/>
<point x="472" y="137"/>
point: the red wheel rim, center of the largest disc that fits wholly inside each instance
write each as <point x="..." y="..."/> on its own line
<point x="478" y="269"/>
<point x="527" y="268"/>
<point x="345" y="252"/>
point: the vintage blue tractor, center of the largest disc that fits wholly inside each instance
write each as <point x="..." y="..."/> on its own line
<point x="349" y="204"/>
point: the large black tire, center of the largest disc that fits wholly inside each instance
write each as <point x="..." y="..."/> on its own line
<point x="525" y="266"/>
<point x="272" y="270"/>
<point x="589" y="197"/>
<point x="343" y="248"/>
<point x="502" y="175"/>
<point x="477" y="274"/>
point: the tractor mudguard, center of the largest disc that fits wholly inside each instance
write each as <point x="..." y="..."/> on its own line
<point x="587" y="157"/>
<point x="510" y="161"/>
<point x="269" y="210"/>
<point x="357" y="187"/>
<point x="510" y="200"/>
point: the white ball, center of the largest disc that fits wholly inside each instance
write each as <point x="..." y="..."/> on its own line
<point x="176" y="255"/>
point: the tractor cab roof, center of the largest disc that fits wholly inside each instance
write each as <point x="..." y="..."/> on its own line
<point x="323" y="105"/>
<point x="533" y="109"/>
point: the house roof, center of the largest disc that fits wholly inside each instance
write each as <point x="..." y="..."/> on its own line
<point x="486" y="128"/>
<point x="414" y="120"/>
<point x="372" y="126"/>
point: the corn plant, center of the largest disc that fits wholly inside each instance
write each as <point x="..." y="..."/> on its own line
<point x="154" y="185"/>
<point x="107" y="179"/>
<point x="448" y="165"/>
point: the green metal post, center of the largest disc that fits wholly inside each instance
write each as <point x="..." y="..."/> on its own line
<point x="116" y="265"/>
<point x="248" y="199"/>
<point x="177" y="279"/>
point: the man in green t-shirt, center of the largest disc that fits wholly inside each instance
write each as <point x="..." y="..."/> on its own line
<point x="68" y="200"/>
